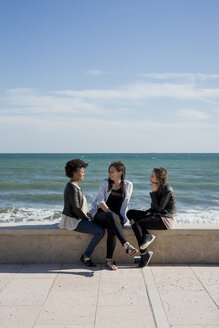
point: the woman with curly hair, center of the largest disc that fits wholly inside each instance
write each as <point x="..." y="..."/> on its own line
<point x="75" y="215"/>
<point x="110" y="207"/>
<point x="160" y="216"/>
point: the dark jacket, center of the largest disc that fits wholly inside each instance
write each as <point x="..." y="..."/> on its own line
<point x="163" y="203"/>
<point x="73" y="200"/>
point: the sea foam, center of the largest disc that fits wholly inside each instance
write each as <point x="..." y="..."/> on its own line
<point x="53" y="215"/>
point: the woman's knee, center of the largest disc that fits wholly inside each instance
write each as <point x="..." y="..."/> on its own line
<point x="132" y="221"/>
<point x="109" y="215"/>
<point x="109" y="219"/>
<point x="100" y="231"/>
<point x="130" y="214"/>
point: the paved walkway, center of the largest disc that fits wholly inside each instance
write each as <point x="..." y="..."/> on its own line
<point x="70" y="296"/>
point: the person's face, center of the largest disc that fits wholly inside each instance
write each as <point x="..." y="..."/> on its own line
<point x="79" y="174"/>
<point x="153" y="178"/>
<point x="114" y="175"/>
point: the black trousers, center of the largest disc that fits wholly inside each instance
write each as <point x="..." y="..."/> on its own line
<point x="114" y="229"/>
<point x="143" y="221"/>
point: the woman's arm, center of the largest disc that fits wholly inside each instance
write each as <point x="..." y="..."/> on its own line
<point x="100" y="200"/>
<point x="128" y="193"/>
<point x="159" y="203"/>
<point x="102" y="193"/>
<point x="74" y="200"/>
<point x="104" y="207"/>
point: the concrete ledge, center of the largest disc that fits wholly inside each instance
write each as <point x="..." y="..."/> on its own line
<point x="185" y="244"/>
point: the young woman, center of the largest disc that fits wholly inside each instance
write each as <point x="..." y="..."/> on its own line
<point x="160" y="216"/>
<point x="109" y="209"/>
<point x="75" y="215"/>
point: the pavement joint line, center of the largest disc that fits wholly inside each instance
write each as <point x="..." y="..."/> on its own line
<point x="60" y="267"/>
<point x="190" y="266"/>
<point x="12" y="278"/>
<point x="98" y="292"/>
<point x="154" y="299"/>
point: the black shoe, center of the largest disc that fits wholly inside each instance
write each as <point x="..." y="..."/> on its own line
<point x="87" y="261"/>
<point x="146" y="241"/>
<point x="145" y="259"/>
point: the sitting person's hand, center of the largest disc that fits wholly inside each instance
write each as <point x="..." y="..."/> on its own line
<point x="116" y="216"/>
<point x="154" y="187"/>
<point x="89" y="215"/>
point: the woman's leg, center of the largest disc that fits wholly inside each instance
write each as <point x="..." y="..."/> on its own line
<point x="141" y="223"/>
<point x="114" y="226"/>
<point x="139" y="231"/>
<point x="111" y="243"/>
<point x="102" y="219"/>
<point x="134" y="214"/>
<point x="152" y="221"/>
<point x="89" y="227"/>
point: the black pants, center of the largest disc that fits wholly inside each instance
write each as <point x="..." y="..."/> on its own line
<point x="143" y="221"/>
<point x="114" y="229"/>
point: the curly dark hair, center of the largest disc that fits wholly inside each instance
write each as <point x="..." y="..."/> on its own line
<point x="161" y="175"/>
<point x="72" y="166"/>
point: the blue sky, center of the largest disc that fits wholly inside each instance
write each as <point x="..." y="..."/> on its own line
<point x="109" y="76"/>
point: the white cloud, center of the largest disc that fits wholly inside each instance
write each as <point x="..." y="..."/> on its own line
<point x="55" y="104"/>
<point x="143" y="90"/>
<point x="22" y="91"/>
<point x="31" y="101"/>
<point x="100" y="102"/>
<point x="139" y="115"/>
<point x="190" y="76"/>
<point x="192" y="114"/>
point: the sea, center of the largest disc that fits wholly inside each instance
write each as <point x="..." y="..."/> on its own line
<point x="31" y="185"/>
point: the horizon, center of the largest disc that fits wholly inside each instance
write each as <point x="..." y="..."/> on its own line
<point x="96" y="153"/>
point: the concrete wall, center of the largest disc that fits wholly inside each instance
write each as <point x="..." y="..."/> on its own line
<point x="47" y="244"/>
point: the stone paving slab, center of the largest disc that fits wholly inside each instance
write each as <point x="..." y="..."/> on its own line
<point x="187" y="308"/>
<point x="18" y="316"/>
<point x="176" y="279"/>
<point x="124" y="316"/>
<point x="44" y="271"/>
<point x="184" y="292"/>
<point x="26" y="292"/>
<point x="210" y="280"/>
<point x="72" y="295"/>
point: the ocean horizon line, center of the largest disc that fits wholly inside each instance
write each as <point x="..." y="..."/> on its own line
<point x="64" y="153"/>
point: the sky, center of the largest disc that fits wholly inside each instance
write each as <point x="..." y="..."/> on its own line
<point x="122" y="76"/>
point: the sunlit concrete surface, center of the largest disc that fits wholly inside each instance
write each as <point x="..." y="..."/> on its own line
<point x="197" y="243"/>
<point x="72" y="295"/>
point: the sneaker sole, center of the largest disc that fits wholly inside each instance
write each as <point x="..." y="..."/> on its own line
<point x="145" y="245"/>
